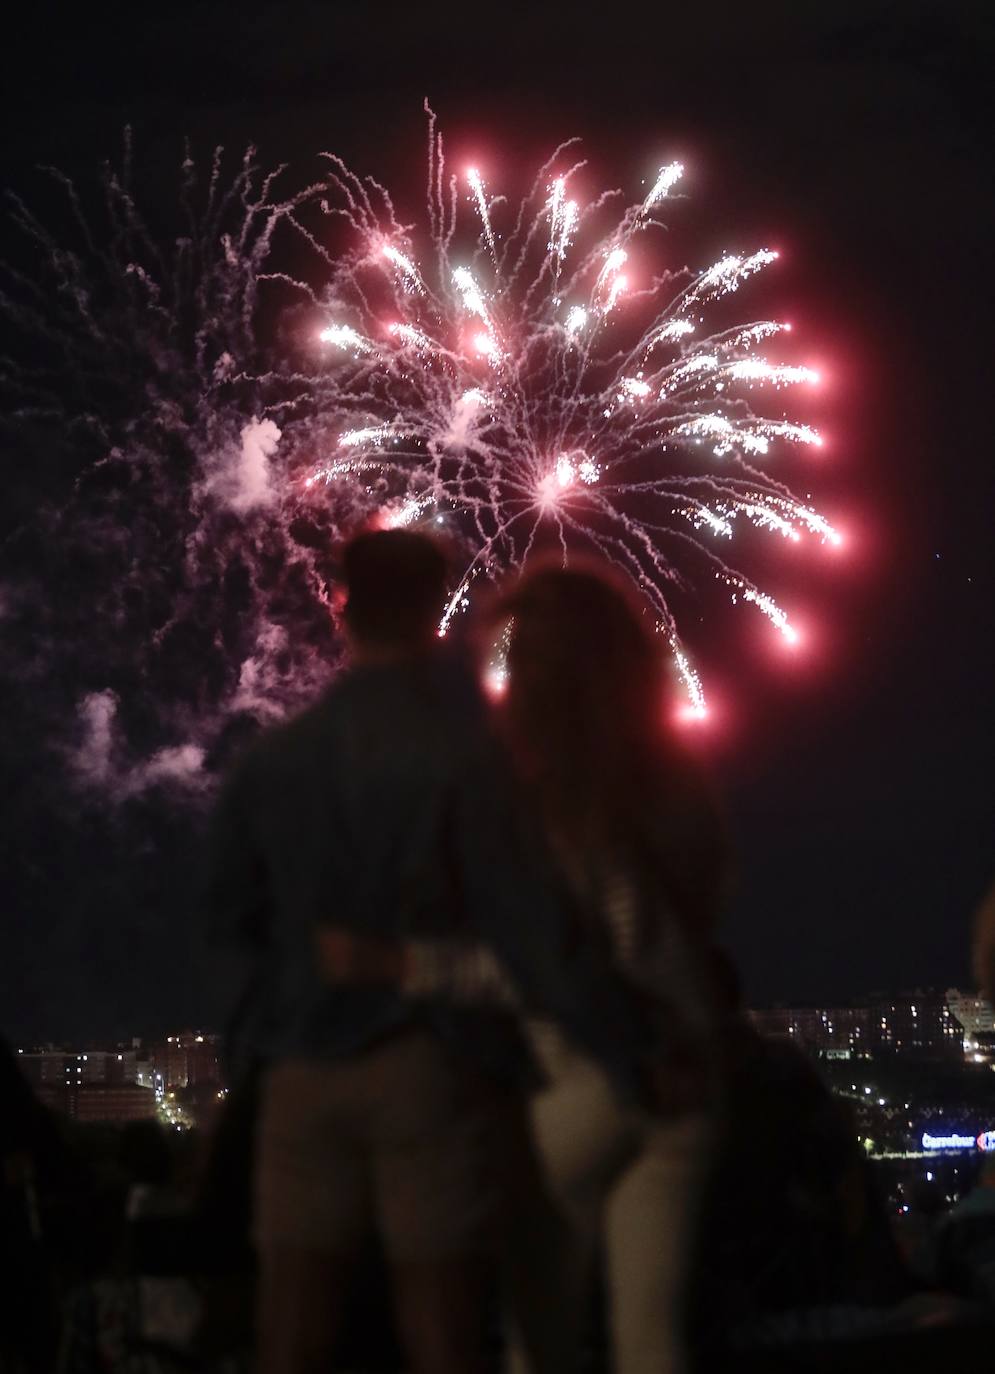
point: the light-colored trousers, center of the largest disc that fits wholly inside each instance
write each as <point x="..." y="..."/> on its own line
<point x="619" y="1179"/>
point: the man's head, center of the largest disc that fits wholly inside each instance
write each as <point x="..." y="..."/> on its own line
<point x="395" y="583"/>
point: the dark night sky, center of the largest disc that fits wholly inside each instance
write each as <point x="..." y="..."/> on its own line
<point x="856" y="137"/>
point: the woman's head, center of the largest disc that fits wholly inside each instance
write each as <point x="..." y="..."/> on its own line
<point x="583" y="702"/>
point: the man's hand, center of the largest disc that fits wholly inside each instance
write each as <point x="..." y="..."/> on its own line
<point x="337" y="955"/>
<point x="347" y="958"/>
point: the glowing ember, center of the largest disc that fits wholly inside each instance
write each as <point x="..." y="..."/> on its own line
<point x="343" y="337"/>
<point x="473" y="177"/>
<point x="669" y="176"/>
<point x="406" y="269"/>
<point x="575" y="320"/>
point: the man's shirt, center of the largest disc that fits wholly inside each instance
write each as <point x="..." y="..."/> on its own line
<point x="386" y="809"/>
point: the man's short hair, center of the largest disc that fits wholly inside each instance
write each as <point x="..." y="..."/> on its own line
<point x="395" y="582"/>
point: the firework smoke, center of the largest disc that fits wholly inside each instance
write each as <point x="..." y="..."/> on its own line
<point x="163" y="585"/>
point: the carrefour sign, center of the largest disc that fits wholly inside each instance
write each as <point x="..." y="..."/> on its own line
<point x="984" y="1141"/>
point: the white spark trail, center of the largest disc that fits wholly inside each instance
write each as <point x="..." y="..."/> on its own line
<point x="407" y="270"/>
<point x="669" y="176"/>
<point x="473" y="177"/>
<point x="343" y="336"/>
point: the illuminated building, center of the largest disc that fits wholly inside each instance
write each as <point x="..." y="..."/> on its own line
<point x="189" y="1060"/>
<point x="52" y="1067"/>
<point x="918" y="1023"/>
<point x="841" y="1031"/>
<point x="112" y="1102"/>
<point x="88" y="1085"/>
<point x="977" y="1017"/>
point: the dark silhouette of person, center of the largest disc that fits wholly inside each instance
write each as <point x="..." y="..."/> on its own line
<point x="791" y="1219"/>
<point x="34" y="1164"/>
<point x="385" y="810"/>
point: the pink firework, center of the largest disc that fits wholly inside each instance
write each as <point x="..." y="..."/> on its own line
<point x="522" y="374"/>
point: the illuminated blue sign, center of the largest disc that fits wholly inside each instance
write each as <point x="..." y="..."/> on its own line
<point x="985" y="1141"/>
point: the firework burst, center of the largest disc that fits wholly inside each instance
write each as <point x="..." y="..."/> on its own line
<point x="511" y="372"/>
<point x="196" y="426"/>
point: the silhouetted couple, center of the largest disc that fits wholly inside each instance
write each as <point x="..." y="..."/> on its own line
<point x="480" y="991"/>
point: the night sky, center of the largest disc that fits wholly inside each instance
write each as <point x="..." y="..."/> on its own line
<point x="856" y="138"/>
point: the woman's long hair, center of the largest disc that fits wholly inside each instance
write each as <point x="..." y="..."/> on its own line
<point x="586" y="719"/>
